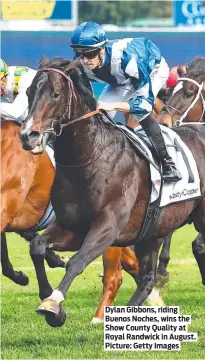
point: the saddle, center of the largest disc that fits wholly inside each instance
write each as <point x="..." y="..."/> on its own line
<point x="163" y="193"/>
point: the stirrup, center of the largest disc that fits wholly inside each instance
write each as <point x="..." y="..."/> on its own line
<point x="170" y="173"/>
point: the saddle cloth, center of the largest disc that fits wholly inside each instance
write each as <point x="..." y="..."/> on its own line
<point x="189" y="186"/>
<point x="49" y="214"/>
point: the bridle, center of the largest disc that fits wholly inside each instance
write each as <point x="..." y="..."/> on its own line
<point x="68" y="112"/>
<point x="68" y="109"/>
<point x="198" y="96"/>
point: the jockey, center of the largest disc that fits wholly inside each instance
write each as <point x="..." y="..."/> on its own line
<point x="134" y="71"/>
<point x="14" y="81"/>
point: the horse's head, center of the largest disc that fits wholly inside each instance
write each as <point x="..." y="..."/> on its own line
<point x="187" y="103"/>
<point x="50" y="97"/>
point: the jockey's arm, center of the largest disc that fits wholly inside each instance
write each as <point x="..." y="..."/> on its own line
<point x="17" y="110"/>
<point x="115" y="105"/>
<point x="142" y="102"/>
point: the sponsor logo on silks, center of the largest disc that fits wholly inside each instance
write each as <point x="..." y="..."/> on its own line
<point x="183" y="193"/>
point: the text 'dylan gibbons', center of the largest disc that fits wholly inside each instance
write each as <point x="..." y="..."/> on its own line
<point x="157" y="328"/>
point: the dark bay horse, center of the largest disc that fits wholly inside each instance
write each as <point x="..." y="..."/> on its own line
<point x="187" y="104"/>
<point x="25" y="192"/>
<point x="101" y="188"/>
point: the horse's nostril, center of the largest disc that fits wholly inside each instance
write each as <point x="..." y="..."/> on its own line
<point x="28" y="139"/>
<point x="34" y="135"/>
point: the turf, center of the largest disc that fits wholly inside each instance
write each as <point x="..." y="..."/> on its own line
<point x="25" y="335"/>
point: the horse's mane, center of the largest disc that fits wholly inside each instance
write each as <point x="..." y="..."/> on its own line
<point x="196" y="68"/>
<point x="77" y="74"/>
<point x="55" y="62"/>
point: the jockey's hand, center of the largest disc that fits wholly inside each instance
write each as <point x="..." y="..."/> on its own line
<point x="105" y="106"/>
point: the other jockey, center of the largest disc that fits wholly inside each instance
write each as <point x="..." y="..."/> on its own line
<point x="134" y="71"/>
<point x="174" y="75"/>
<point x="14" y="81"/>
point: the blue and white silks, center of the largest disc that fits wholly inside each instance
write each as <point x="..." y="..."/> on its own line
<point x="134" y="70"/>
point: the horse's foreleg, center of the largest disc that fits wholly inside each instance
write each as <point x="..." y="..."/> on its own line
<point x="112" y="279"/>
<point x="198" y="249"/>
<point x="147" y="255"/>
<point x="53" y="260"/>
<point x="162" y="273"/>
<point x="38" y="252"/>
<point x="98" y="239"/>
<point x="18" y="277"/>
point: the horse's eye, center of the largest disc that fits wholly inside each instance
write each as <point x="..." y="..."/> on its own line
<point x="188" y="95"/>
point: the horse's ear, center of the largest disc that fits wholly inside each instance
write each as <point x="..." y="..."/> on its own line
<point x="43" y="61"/>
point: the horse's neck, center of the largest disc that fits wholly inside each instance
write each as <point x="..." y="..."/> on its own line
<point x="81" y="142"/>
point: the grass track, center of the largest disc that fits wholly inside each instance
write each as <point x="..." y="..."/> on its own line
<point x="25" y="335"/>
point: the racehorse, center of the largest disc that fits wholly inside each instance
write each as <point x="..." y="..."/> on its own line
<point x="25" y="194"/>
<point x="187" y="104"/>
<point x="101" y="188"/>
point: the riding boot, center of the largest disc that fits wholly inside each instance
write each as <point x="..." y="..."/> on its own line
<point x="153" y="131"/>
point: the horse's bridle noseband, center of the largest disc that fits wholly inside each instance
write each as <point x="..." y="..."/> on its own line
<point x="198" y="96"/>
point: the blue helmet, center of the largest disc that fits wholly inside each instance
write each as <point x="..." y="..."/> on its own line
<point x="88" y="36"/>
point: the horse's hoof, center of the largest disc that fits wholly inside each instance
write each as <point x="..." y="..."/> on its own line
<point x="162" y="281"/>
<point x="97" y="321"/>
<point x="56" y="320"/>
<point x="21" y="278"/>
<point x="48" y="306"/>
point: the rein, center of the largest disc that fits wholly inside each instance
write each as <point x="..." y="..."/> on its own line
<point x="198" y="96"/>
<point x="62" y="126"/>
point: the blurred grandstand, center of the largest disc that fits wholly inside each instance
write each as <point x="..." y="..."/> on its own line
<point x="60" y="15"/>
<point x="31" y="28"/>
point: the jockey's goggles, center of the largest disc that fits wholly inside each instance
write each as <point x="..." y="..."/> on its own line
<point x="89" y="54"/>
